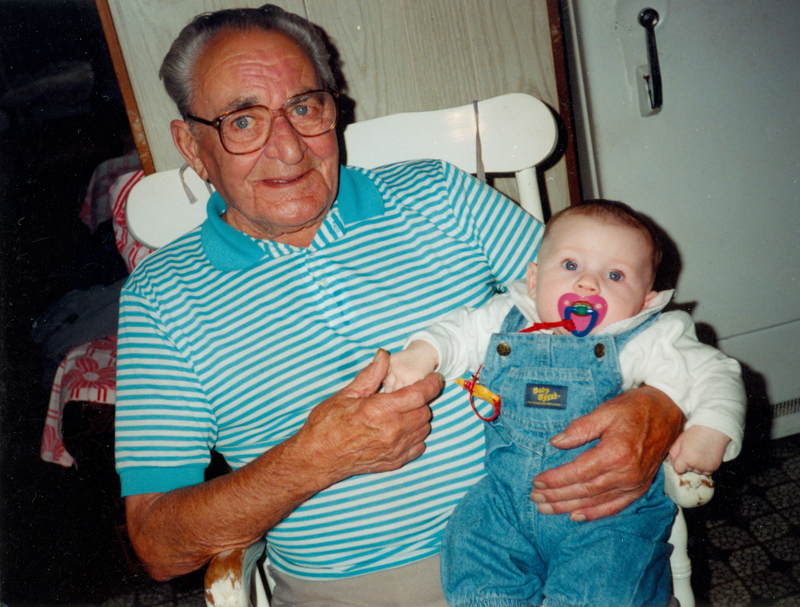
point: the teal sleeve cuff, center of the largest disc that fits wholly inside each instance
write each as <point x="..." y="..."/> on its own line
<point x="159" y="480"/>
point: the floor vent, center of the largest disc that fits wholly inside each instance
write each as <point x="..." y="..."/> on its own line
<point x="786" y="418"/>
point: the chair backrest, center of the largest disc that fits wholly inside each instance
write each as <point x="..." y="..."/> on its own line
<point x="516" y="133"/>
<point x="159" y="209"/>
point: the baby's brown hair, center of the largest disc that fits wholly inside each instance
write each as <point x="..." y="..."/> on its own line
<point x="618" y="213"/>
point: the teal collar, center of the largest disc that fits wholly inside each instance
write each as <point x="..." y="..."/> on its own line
<point x="229" y="249"/>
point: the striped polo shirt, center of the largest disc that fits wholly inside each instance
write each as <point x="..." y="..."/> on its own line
<point x="227" y="342"/>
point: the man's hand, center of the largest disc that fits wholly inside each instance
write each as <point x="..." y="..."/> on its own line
<point x="358" y="430"/>
<point x="636" y="430"/>
<point x="355" y="431"/>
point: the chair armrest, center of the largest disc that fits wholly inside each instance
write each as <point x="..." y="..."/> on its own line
<point x="229" y="580"/>
<point x="687" y="490"/>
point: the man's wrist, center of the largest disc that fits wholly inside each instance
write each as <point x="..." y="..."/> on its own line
<point x="661" y="406"/>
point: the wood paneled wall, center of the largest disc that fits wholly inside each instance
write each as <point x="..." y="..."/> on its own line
<point x="396" y="56"/>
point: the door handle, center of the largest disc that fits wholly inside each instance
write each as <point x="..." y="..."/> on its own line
<point x="648" y="19"/>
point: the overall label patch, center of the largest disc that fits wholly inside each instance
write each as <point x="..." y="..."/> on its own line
<point x="546" y="396"/>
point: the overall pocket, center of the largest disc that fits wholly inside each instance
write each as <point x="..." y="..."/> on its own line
<point x="543" y="400"/>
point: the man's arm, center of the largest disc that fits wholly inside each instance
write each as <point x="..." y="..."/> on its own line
<point x="636" y="430"/>
<point x="355" y="431"/>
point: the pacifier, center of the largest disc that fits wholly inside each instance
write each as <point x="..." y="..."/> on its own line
<point x="586" y="312"/>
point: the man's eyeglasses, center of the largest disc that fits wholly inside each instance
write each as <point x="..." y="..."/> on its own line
<point x="247" y="129"/>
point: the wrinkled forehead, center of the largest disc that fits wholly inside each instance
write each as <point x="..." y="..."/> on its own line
<point x="251" y="63"/>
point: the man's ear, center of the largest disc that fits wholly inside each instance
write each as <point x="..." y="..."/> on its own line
<point x="530" y="278"/>
<point x="188" y="147"/>
<point x="648" y="299"/>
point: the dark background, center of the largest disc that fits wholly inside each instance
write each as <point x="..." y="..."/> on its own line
<point x="57" y="539"/>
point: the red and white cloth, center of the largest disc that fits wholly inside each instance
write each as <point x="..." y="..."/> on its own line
<point x="132" y="252"/>
<point x="97" y="203"/>
<point x="88" y="372"/>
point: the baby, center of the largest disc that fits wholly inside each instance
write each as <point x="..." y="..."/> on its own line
<point x="583" y="327"/>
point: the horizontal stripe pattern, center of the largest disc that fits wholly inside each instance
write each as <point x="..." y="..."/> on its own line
<point x="236" y="359"/>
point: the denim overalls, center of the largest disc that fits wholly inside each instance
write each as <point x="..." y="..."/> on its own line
<point x="497" y="549"/>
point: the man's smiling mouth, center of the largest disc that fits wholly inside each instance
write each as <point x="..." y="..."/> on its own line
<point x="284" y="180"/>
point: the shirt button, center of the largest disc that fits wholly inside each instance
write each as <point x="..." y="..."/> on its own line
<point x="503" y="349"/>
<point x="324" y="283"/>
<point x="599" y="350"/>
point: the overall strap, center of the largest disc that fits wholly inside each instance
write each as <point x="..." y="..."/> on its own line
<point x="514" y="321"/>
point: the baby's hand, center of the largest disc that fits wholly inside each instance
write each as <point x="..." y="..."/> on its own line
<point x="698" y="449"/>
<point x="410" y="365"/>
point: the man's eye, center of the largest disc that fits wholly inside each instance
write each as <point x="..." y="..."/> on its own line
<point x="308" y="110"/>
<point x="301" y="110"/>
<point x="570" y="265"/>
<point x="242" y="123"/>
<point x="615" y="275"/>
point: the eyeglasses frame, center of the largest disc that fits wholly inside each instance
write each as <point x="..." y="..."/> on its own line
<point x="217" y="122"/>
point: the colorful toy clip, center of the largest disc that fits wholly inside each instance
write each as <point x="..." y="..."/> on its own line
<point x="475" y="389"/>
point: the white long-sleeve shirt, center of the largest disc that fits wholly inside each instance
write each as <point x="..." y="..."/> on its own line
<point x="701" y="380"/>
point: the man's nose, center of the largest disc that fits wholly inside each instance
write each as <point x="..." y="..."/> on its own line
<point x="284" y="143"/>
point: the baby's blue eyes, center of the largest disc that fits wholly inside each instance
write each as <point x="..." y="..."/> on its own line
<point x="614" y="275"/>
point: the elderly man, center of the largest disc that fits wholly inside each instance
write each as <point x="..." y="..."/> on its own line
<point x="247" y="336"/>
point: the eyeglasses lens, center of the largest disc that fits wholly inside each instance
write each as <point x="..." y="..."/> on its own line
<point x="248" y="129"/>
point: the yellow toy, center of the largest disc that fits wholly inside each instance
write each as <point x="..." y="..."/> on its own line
<point x="475" y="389"/>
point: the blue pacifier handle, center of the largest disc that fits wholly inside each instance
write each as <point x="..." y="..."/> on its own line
<point x="582" y="311"/>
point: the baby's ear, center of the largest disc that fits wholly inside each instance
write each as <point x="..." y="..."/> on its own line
<point x="648" y="299"/>
<point x="530" y="279"/>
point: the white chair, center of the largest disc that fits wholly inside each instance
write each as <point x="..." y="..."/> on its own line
<point x="687" y="490"/>
<point x="508" y="134"/>
<point x="517" y="133"/>
<point x="236" y="578"/>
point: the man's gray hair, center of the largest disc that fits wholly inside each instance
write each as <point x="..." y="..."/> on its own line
<point x="176" y="70"/>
